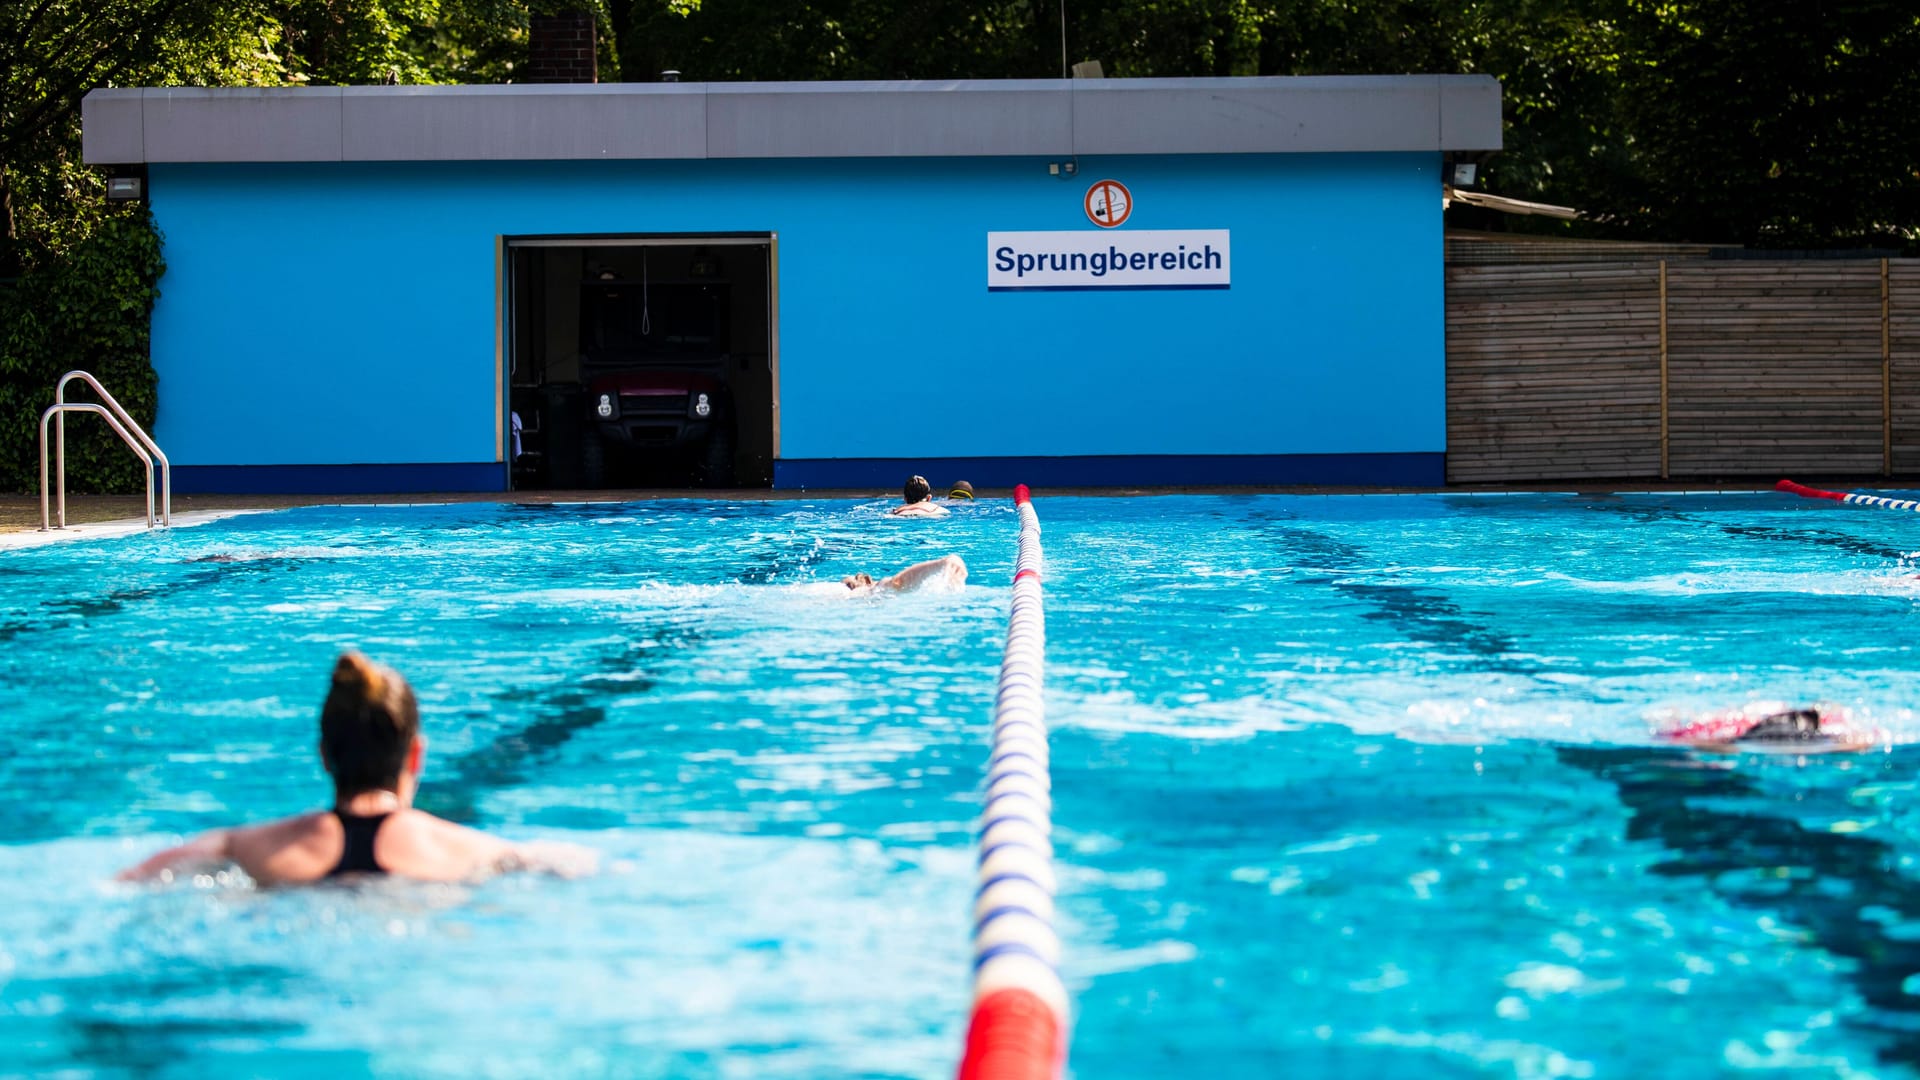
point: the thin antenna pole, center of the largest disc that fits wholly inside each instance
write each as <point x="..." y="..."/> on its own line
<point x="1063" y="38"/>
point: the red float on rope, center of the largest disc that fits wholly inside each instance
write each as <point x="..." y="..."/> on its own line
<point x="1804" y="491"/>
<point x="1014" y="1036"/>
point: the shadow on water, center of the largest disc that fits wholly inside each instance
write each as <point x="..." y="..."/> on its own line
<point x="62" y="613"/>
<point x="153" y="1021"/>
<point x="1421" y="614"/>
<point x="1827" y="538"/>
<point x="560" y="713"/>
<point x="779" y="564"/>
<point x="1831" y="885"/>
<point x="1841" y="889"/>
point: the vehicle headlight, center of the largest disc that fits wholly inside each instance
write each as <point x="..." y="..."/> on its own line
<point x="702" y="406"/>
<point x="605" y="408"/>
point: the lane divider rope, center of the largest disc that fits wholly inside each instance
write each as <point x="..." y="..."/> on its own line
<point x="1852" y="498"/>
<point x="1019" y="1021"/>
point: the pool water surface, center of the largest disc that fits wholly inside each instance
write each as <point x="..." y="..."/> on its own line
<point x="1344" y="785"/>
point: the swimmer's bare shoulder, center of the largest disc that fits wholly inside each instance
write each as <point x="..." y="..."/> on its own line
<point x="416" y="845"/>
<point x="919" y="509"/>
<point x="276" y="852"/>
<point x="479" y="854"/>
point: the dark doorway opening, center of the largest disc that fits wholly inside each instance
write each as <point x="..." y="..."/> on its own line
<point x="640" y="362"/>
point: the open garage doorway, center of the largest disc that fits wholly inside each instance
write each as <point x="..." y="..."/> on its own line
<point x="640" y="361"/>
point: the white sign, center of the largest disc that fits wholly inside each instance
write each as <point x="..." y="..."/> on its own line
<point x="1163" y="259"/>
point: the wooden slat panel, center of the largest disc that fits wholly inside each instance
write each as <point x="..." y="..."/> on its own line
<point x="1903" y="284"/>
<point x="1553" y="369"/>
<point x="1553" y="372"/>
<point x="1774" y="368"/>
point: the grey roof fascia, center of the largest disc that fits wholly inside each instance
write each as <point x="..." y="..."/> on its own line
<point x="1318" y="114"/>
<point x="1470" y="113"/>
<point x="111" y="127"/>
<point x="664" y="121"/>
<point x="1011" y="118"/>
<point x="194" y="123"/>
<point x="566" y="121"/>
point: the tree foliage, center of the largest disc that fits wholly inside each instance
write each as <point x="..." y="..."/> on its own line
<point x="87" y="309"/>
<point x="78" y="277"/>
<point x="1761" y="122"/>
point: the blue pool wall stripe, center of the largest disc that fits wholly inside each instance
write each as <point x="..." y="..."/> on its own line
<point x="342" y="314"/>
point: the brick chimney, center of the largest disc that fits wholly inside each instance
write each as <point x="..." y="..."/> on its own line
<point x="560" y="49"/>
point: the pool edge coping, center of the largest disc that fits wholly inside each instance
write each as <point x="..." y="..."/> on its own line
<point x="26" y="539"/>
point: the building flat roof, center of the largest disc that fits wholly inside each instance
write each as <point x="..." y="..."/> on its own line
<point x="666" y="121"/>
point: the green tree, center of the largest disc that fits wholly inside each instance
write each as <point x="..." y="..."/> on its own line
<point x="1768" y="122"/>
<point x="78" y="276"/>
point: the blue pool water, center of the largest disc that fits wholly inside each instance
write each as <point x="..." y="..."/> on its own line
<point x="1344" y="786"/>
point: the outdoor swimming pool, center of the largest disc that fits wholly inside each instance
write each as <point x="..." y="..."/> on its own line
<point x="1343" y="786"/>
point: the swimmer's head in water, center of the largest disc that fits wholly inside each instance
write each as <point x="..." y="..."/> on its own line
<point x="1794" y="725"/>
<point x="960" y="490"/>
<point x="916" y="490"/>
<point x="367" y="726"/>
<point x="860" y="580"/>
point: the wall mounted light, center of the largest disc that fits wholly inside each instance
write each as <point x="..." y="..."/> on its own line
<point x="125" y="189"/>
<point x="1463" y="173"/>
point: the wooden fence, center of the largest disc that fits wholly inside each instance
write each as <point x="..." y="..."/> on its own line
<point x="1670" y="369"/>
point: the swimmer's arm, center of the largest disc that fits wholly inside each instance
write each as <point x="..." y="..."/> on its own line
<point x="920" y="572"/>
<point x="548" y="857"/>
<point x="492" y="855"/>
<point x="207" y="849"/>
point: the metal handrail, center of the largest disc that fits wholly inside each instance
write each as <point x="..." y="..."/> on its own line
<point x="126" y="421"/>
<point x="85" y="406"/>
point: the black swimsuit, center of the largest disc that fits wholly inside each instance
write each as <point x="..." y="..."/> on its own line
<point x="356" y="856"/>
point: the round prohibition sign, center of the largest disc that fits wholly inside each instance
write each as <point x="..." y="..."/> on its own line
<point x="1108" y="203"/>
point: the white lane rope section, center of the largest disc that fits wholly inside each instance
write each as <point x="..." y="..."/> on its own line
<point x="1880" y="501"/>
<point x="1014" y="944"/>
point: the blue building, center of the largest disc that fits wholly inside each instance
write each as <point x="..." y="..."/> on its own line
<point x="1104" y="282"/>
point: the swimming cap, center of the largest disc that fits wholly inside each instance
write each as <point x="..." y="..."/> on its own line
<point x="961" y="490"/>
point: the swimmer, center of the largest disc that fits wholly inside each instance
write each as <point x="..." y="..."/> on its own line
<point x="370" y="743"/>
<point x="961" y="491"/>
<point x="1769" y="728"/>
<point x="917" y="500"/>
<point x="948" y="571"/>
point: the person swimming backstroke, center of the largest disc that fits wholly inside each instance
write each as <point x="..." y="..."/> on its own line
<point x="370" y="743"/>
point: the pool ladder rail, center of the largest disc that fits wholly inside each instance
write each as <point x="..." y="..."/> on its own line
<point x="123" y="425"/>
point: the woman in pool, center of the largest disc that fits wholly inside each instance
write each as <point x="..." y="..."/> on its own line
<point x="371" y="744"/>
